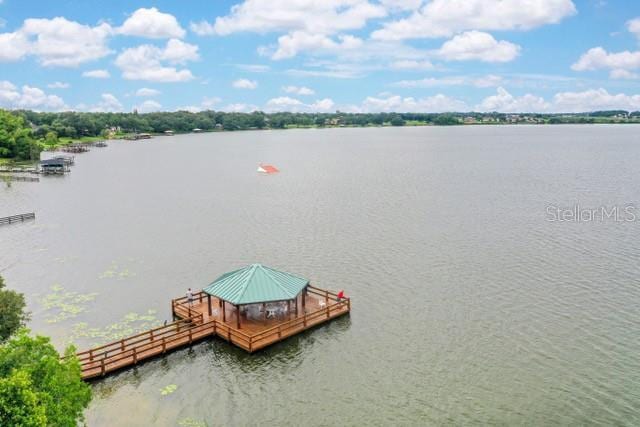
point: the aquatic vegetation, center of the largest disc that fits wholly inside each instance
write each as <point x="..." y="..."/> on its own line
<point x="190" y="422"/>
<point x="130" y="324"/>
<point x="113" y="271"/>
<point x="67" y="304"/>
<point x="168" y="389"/>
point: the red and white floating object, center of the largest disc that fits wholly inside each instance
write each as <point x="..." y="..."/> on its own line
<point x="267" y="169"/>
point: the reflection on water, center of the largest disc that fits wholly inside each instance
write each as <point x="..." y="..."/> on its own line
<point x="469" y="306"/>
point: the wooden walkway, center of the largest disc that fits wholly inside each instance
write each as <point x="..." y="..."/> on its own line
<point x="17" y="218"/>
<point x="203" y="319"/>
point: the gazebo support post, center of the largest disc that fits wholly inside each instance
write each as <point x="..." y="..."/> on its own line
<point x="238" y="316"/>
<point x="224" y="312"/>
<point x="209" y="304"/>
<point x="289" y="308"/>
<point x="303" y="300"/>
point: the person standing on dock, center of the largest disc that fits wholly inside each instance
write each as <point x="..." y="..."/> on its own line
<point x="190" y="297"/>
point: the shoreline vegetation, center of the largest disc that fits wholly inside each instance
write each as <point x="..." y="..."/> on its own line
<point x="24" y="133"/>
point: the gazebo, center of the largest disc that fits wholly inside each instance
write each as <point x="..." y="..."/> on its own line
<point x="256" y="284"/>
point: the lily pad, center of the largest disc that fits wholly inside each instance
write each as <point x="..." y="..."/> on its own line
<point x="168" y="389"/>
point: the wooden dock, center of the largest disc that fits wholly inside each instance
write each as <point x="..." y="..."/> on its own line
<point x="203" y="319"/>
<point x="17" y="218"/>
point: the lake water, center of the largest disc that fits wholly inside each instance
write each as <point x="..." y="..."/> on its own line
<point x="470" y="305"/>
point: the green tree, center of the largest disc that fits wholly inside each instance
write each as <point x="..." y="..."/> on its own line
<point x="16" y="140"/>
<point x="397" y="121"/>
<point x="31" y="367"/>
<point x="19" y="404"/>
<point x="12" y="314"/>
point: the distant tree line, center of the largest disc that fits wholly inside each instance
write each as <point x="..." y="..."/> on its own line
<point x="23" y="133"/>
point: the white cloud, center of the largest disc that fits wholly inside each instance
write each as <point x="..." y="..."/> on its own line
<point x="148" y="106"/>
<point x="108" y="103"/>
<point x="289" y="45"/>
<point x="394" y="103"/>
<point x="285" y="103"/>
<point x="322" y="105"/>
<point x="28" y="97"/>
<point x="58" y="85"/>
<point x="59" y="42"/>
<point x="298" y="90"/>
<point x="597" y="58"/>
<point x="504" y="102"/>
<point x="312" y="16"/>
<point x="594" y="99"/>
<point x="97" y="74"/>
<point x="245" y="84"/>
<point x="208" y="103"/>
<point x="411" y="64"/>
<point x="240" y="108"/>
<point x="476" y="45"/>
<point x="634" y="26"/>
<point x="151" y="23"/>
<point x="254" y="68"/>
<point x="444" y="18"/>
<point x="13" y="46"/>
<point x="401" y="5"/>
<point x="146" y="62"/>
<point x="147" y="92"/>
<point x="483" y="81"/>
<point x="334" y="74"/>
<point x="563" y="102"/>
<point x="623" y="75"/>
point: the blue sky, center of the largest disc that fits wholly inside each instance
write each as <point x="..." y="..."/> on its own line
<point x="306" y="55"/>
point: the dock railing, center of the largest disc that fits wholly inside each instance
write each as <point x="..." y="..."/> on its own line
<point x="119" y="354"/>
<point x="17" y="218"/>
<point x="333" y="307"/>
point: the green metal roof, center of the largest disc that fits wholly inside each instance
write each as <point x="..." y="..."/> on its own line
<point x="256" y="283"/>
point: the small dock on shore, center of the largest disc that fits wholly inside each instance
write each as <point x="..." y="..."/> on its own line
<point x="17" y="218"/>
<point x="251" y="326"/>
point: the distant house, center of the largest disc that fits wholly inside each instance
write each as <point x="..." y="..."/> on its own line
<point x="168" y="132"/>
<point x="197" y="130"/>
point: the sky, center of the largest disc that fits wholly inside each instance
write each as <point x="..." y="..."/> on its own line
<point x="320" y="55"/>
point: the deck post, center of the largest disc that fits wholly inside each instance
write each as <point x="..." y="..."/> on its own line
<point x="135" y="356"/>
<point x="327" y="312"/>
<point x="164" y="345"/>
<point x="200" y="294"/>
<point x="224" y="312"/>
<point x="209" y="303"/>
<point x="238" y="316"/>
<point x="122" y="344"/>
<point x="91" y="355"/>
<point x="289" y="308"/>
<point x="102" y="367"/>
<point x="304" y="304"/>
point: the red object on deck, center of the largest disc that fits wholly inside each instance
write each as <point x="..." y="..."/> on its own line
<point x="340" y="294"/>
<point x="267" y="169"/>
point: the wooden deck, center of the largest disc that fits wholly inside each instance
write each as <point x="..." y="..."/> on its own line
<point x="197" y="322"/>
